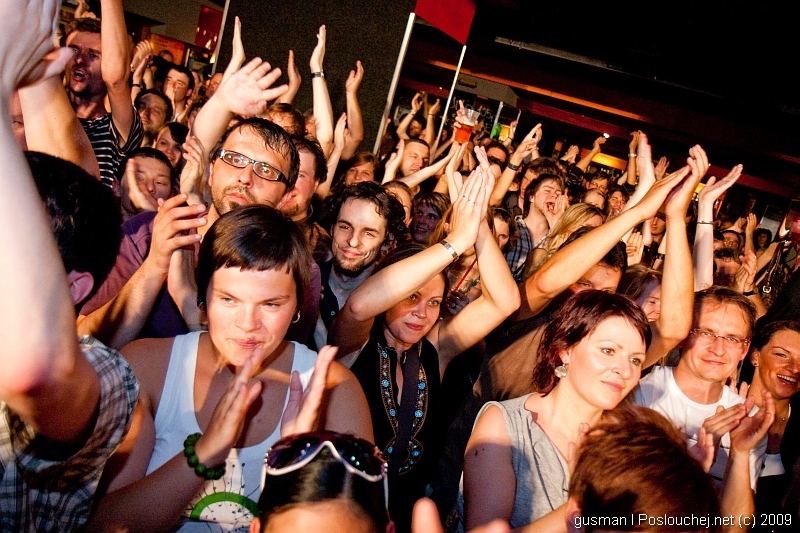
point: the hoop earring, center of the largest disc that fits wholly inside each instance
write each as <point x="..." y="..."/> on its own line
<point x="296" y="318"/>
<point x="561" y="371"/>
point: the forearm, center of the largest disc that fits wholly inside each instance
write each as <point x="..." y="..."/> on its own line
<point x="424" y="173"/>
<point x="553" y="522"/>
<point x="119" y="321"/>
<point x="568" y="264"/>
<point x="583" y="164"/>
<point x="677" y="288"/>
<point x="402" y="128"/>
<point x="212" y="122"/>
<point x="443" y="146"/>
<point x="502" y="185"/>
<point x="39" y="351"/>
<point x="323" y="114"/>
<point x="703" y="252"/>
<point x="355" y="127"/>
<point x="497" y="284"/>
<point x="631" y="170"/>
<point x="392" y="285"/>
<point x="52" y="127"/>
<point x="152" y="504"/>
<point x="323" y="189"/>
<point x="737" y="494"/>
<point x="430" y="128"/>
<point x="115" y="61"/>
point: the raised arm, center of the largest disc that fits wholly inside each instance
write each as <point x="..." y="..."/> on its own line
<point x="237" y="51"/>
<point x="323" y="112"/>
<point x="115" y="65"/>
<point x="354" y="133"/>
<point x="44" y="377"/>
<point x="703" y="253"/>
<point x="677" y="287"/>
<point x="527" y="147"/>
<point x="120" y="320"/>
<point x="568" y="264"/>
<point x="395" y="283"/>
<point x="430" y="120"/>
<point x="52" y="127"/>
<point x="428" y="172"/>
<point x="630" y="170"/>
<point x="402" y="128"/>
<point x="294" y="81"/>
<point x="583" y="164"/>
<point x="245" y="93"/>
<point x="323" y="189"/>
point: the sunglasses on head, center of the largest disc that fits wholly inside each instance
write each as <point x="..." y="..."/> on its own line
<point x="359" y="457"/>
<point x="494" y="160"/>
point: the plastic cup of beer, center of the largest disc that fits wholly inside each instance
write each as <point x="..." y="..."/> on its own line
<point x="464" y="125"/>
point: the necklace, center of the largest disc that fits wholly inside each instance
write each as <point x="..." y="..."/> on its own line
<point x="415" y="448"/>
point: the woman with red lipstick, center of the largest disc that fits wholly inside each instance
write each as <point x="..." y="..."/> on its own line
<point x="212" y="402"/>
<point x="589" y="359"/>
<point x="775" y="354"/>
<point x="399" y="348"/>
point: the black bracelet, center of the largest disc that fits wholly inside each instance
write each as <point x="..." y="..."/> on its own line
<point x="513" y="167"/>
<point x="750" y="293"/>
<point x="200" y="469"/>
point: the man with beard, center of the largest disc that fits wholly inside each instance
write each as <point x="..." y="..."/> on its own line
<point x="366" y="221"/>
<point x="100" y="68"/>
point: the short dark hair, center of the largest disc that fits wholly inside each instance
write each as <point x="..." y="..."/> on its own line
<point x="762" y="231"/>
<point x="151" y="153"/>
<point x="499" y="146"/>
<point x="83" y="213"/>
<point x="86" y="25"/>
<point x="764" y="332"/>
<point x="178" y="131"/>
<point x="325" y="478"/>
<point x="404" y="251"/>
<point x="274" y="137"/>
<point x="185" y="71"/>
<point x="543" y="165"/>
<point x="725" y="295"/>
<point x="254" y="237"/>
<point x="161" y="95"/>
<point x="576" y="319"/>
<point x="629" y="465"/>
<point x="388" y="207"/>
<point x="534" y="187"/>
<point x="418" y="141"/>
<point x="297" y="122"/>
<point x="312" y="147"/>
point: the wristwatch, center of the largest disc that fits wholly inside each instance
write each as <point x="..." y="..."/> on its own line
<point x="513" y="167"/>
<point x="320" y="74"/>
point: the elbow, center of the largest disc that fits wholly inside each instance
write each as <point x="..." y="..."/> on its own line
<point x="356" y="309"/>
<point x="510" y="301"/>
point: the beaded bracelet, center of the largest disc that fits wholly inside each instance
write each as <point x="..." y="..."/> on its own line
<point x="199" y="468"/>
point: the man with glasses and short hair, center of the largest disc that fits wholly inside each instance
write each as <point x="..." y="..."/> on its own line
<point x="694" y="395"/>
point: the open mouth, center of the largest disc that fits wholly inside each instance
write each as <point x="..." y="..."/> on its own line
<point x="78" y="74"/>
<point x="550" y="206"/>
<point x="787" y="379"/>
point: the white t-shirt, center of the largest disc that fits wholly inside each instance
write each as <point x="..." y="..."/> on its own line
<point x="659" y="392"/>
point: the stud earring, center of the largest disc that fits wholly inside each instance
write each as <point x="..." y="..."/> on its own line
<point x="561" y="371"/>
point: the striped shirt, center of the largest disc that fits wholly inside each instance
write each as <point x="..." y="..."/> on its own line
<point x="47" y="485"/>
<point x="105" y="141"/>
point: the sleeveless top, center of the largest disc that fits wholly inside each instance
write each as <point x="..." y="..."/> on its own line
<point x="542" y="474"/>
<point x="229" y="503"/>
<point x="375" y="369"/>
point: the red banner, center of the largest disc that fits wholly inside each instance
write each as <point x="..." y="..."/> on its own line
<point x="454" y="17"/>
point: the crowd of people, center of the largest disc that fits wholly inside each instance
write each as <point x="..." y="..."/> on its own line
<point x="235" y="320"/>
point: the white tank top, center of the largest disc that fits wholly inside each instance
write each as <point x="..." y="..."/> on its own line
<point x="229" y="503"/>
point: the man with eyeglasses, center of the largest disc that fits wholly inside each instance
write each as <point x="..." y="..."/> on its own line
<point x="695" y="397"/>
<point x="253" y="161"/>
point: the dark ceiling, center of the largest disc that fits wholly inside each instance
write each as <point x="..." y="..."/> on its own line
<point x="712" y="72"/>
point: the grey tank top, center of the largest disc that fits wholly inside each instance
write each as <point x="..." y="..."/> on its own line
<point x="542" y="473"/>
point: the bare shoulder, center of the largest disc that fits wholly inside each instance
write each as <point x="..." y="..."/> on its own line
<point x="149" y="359"/>
<point x="339" y="374"/>
<point x="490" y="426"/>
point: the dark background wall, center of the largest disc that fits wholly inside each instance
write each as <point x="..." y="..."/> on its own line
<point x="357" y="30"/>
